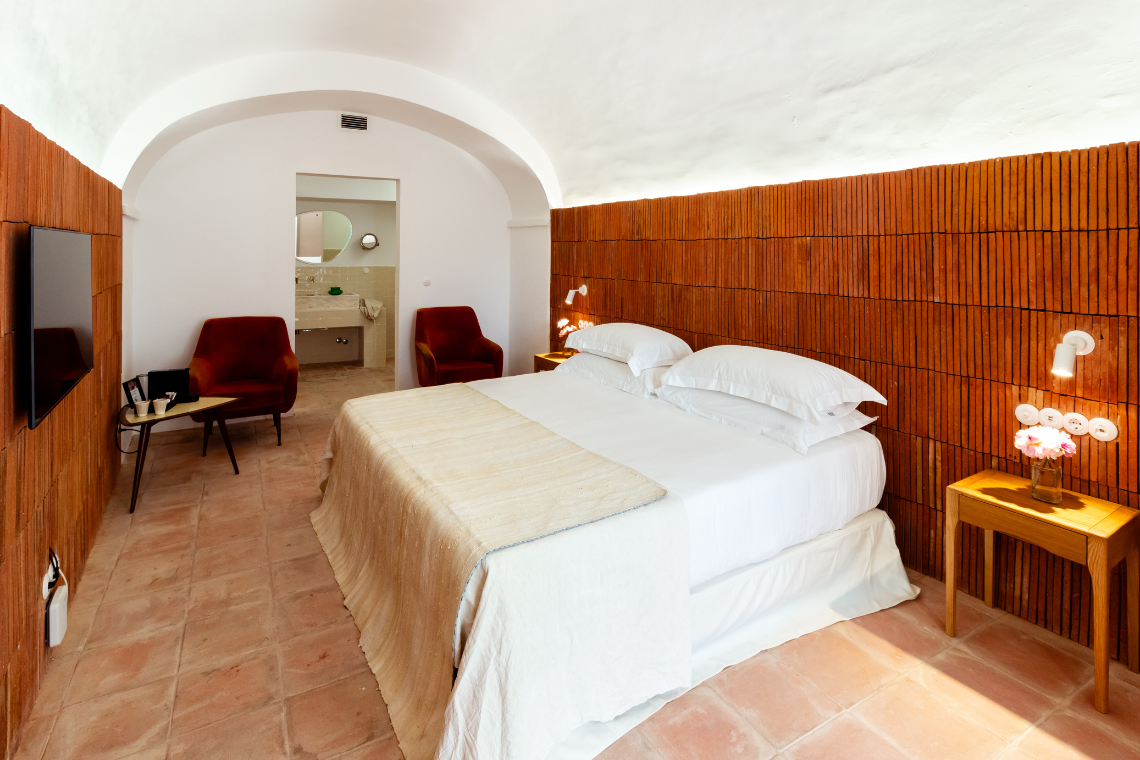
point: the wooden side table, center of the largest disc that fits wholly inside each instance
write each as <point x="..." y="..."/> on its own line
<point x="1084" y="529"/>
<point x="545" y="362"/>
<point x="203" y="404"/>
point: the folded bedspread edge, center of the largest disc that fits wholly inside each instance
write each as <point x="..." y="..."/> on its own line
<point x="590" y="620"/>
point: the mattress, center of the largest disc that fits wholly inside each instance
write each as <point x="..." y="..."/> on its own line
<point x="747" y="498"/>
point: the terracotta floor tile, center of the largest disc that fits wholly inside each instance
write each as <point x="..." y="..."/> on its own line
<point x="632" y="746"/>
<point x="109" y="669"/>
<point x="289" y="518"/>
<point x="222" y="531"/>
<point x="223" y="637"/>
<point x="929" y="611"/>
<point x="222" y="691"/>
<point x="1026" y="657"/>
<point x="700" y="726"/>
<point x="257" y="735"/>
<point x="308" y="611"/>
<point x="924" y="727"/>
<point x="845" y="738"/>
<point x="148" y="574"/>
<point x="227" y="507"/>
<point x="34" y="736"/>
<point x="172" y="541"/>
<point x="777" y="701"/>
<point x="233" y="486"/>
<point x="79" y="621"/>
<point x="1123" y="715"/>
<point x="234" y="557"/>
<point x="165" y="519"/>
<point x="319" y="658"/>
<point x="333" y="719"/>
<point x="220" y="595"/>
<point x="895" y="639"/>
<point x="293" y="544"/>
<point x="984" y="694"/>
<point x="138" y="615"/>
<point x="1064" y="736"/>
<point x="110" y="727"/>
<point x="90" y="589"/>
<point x="843" y="670"/>
<point x="53" y="688"/>
<point x="385" y="749"/>
<point x="303" y="574"/>
<point x="161" y="498"/>
<point x="157" y="752"/>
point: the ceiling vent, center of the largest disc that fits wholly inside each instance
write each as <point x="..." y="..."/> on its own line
<point x="354" y="122"/>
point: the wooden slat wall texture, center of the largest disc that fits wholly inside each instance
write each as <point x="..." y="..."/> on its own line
<point x="945" y="287"/>
<point x="55" y="479"/>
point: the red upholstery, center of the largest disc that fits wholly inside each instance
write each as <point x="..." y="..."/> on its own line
<point x="248" y="357"/>
<point x="450" y="347"/>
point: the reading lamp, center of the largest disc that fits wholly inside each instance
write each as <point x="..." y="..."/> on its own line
<point x="1076" y="342"/>
<point x="570" y="294"/>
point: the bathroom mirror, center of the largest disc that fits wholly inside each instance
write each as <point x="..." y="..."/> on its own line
<point x="322" y="235"/>
<point x="369" y="241"/>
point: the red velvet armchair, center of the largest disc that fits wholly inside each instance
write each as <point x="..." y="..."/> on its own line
<point x="450" y="347"/>
<point x="248" y="357"/>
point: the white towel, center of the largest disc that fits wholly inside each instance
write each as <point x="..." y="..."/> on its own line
<point x="370" y="307"/>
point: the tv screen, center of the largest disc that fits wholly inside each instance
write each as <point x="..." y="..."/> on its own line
<point x="60" y="302"/>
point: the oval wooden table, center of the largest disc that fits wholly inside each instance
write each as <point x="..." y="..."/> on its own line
<point x="128" y="418"/>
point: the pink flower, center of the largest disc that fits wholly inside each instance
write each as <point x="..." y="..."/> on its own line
<point x="1043" y="442"/>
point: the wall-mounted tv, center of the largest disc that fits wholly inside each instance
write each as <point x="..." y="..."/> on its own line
<point x="61" y="344"/>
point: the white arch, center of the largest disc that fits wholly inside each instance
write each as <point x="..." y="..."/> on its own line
<point x="283" y="82"/>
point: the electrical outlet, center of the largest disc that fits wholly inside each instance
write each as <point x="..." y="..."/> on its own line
<point x="1076" y="423"/>
<point x="1027" y="414"/>
<point x="1052" y="418"/>
<point x="1103" y="430"/>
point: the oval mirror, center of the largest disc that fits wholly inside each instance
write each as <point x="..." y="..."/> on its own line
<point x="322" y="235"/>
<point x="369" y="241"/>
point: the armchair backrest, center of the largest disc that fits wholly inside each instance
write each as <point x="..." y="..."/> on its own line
<point x="243" y="348"/>
<point x="450" y="331"/>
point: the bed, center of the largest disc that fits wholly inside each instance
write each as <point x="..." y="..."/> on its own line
<point x="752" y="544"/>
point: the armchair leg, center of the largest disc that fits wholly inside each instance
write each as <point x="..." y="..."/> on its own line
<point x="277" y="424"/>
<point x="207" y="429"/>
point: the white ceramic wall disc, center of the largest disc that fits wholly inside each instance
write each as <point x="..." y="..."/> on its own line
<point x="1102" y="429"/>
<point x="1052" y="418"/>
<point x="1026" y="414"/>
<point x="1076" y="423"/>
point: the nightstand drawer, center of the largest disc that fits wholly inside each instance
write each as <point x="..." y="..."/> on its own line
<point x="1052" y="538"/>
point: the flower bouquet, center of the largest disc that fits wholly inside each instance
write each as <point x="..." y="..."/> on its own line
<point x="1045" y="445"/>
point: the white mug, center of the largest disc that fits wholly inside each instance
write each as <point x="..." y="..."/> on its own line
<point x="141" y="408"/>
<point x="160" y="406"/>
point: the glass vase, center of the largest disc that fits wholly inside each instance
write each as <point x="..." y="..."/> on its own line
<point x="1047" y="481"/>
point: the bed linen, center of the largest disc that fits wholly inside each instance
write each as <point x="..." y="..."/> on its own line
<point x="746" y="497"/>
<point x="459" y="476"/>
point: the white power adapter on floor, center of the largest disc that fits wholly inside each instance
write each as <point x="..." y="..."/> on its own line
<point x="55" y="592"/>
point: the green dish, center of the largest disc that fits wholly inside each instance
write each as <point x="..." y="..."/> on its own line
<point x="335" y="291"/>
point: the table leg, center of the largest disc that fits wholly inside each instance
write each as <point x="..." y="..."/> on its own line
<point x="1132" y="568"/>
<point x="1098" y="568"/>
<point x="950" y="561"/>
<point x="989" y="569"/>
<point x="140" y="460"/>
<point x="226" y="437"/>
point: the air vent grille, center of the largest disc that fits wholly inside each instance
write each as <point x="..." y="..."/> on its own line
<point x="354" y="122"/>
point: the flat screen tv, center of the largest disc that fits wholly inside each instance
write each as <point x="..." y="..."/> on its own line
<point x="59" y="299"/>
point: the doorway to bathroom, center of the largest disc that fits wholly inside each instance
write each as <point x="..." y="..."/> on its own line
<point x="346" y="262"/>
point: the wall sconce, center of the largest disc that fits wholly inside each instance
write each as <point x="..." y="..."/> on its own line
<point x="1075" y="343"/>
<point x="570" y="294"/>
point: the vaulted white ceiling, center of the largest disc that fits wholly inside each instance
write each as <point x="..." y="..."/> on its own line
<point x="635" y="98"/>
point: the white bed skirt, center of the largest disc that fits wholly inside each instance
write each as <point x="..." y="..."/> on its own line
<point x="838" y="576"/>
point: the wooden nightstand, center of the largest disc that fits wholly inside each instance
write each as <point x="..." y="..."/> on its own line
<point x="1093" y="532"/>
<point x="546" y="362"/>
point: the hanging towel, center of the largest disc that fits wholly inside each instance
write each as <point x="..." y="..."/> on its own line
<point x="370" y="307"/>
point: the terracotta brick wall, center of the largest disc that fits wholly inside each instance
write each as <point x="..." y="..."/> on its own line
<point x="945" y="287"/>
<point x="56" y="479"/>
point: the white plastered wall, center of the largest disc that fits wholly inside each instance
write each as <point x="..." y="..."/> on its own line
<point x="215" y="231"/>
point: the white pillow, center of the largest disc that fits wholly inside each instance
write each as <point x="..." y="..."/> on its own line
<point x="761" y="419"/>
<point x="613" y="373"/>
<point x="639" y="346"/>
<point x="802" y="387"/>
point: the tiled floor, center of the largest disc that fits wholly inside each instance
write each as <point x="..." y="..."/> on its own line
<point x="208" y="625"/>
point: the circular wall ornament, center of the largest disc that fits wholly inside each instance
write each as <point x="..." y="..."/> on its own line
<point x="369" y="241"/>
<point x="1026" y="414"/>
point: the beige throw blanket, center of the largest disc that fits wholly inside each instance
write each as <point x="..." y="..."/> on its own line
<point x="424" y="484"/>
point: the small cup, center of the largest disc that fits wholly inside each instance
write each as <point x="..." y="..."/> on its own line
<point x="160" y="406"/>
<point x="141" y="408"/>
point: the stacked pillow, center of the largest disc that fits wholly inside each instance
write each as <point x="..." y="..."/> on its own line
<point x="789" y="398"/>
<point x="625" y="356"/>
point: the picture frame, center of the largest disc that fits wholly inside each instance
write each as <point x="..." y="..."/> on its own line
<point x="134" y="390"/>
